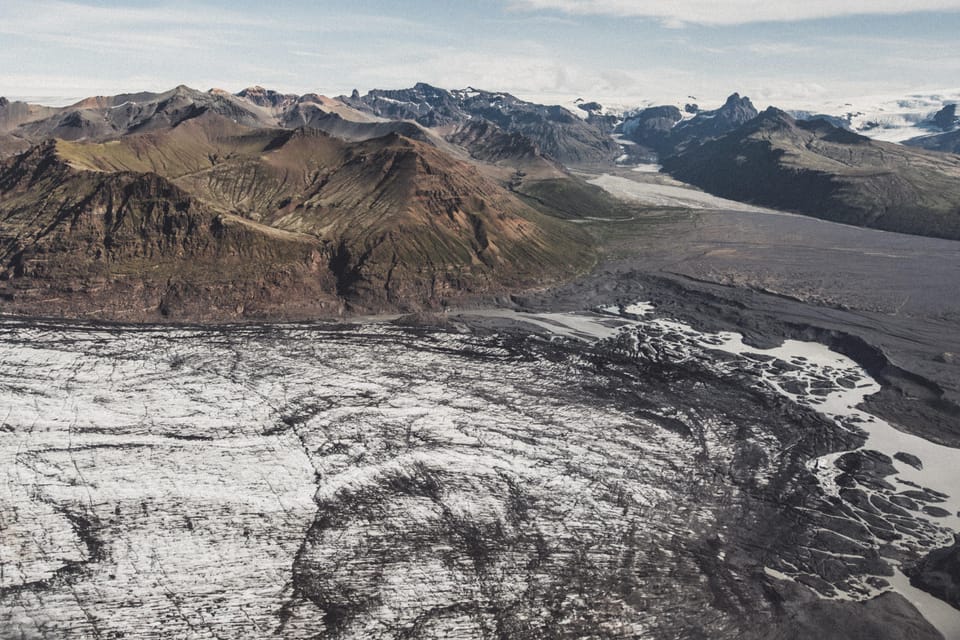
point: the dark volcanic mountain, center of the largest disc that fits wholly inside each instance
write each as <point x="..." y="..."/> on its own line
<point x="556" y="131"/>
<point x="486" y="141"/>
<point x="948" y="139"/>
<point x="664" y="131"/>
<point x="948" y="142"/>
<point x="947" y="118"/>
<point x="386" y="223"/>
<point x="827" y="172"/>
<point x="652" y="127"/>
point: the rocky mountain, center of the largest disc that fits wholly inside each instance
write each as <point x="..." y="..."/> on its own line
<point x="384" y="223"/>
<point x="133" y="245"/>
<point x="667" y="130"/>
<point x="486" y="141"/>
<point x="14" y="114"/>
<point x="816" y="168"/>
<point x="314" y="117"/>
<point x="11" y="145"/>
<point x="559" y="133"/>
<point x="103" y="118"/>
<point x="947" y="121"/>
<point x="652" y="127"/>
<point x="268" y="98"/>
<point x="947" y="118"/>
<point x="110" y="117"/>
<point x="948" y="142"/>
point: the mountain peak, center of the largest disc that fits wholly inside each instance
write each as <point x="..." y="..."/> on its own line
<point x="774" y="112"/>
<point x="423" y="86"/>
<point x="739" y="106"/>
<point x="772" y="117"/>
<point x="267" y="97"/>
<point x="946" y="118"/>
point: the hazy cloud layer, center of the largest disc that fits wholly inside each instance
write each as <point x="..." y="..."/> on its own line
<point x="730" y="12"/>
<point x="547" y="50"/>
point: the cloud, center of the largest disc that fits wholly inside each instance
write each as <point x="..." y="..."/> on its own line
<point x="168" y="26"/>
<point x="731" y="12"/>
<point x="101" y="29"/>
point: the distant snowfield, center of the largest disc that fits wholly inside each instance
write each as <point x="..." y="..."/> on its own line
<point x="885" y="117"/>
<point x="889" y="118"/>
<point x="663" y="195"/>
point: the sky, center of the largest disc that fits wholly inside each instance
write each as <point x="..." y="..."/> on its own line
<point x="784" y="52"/>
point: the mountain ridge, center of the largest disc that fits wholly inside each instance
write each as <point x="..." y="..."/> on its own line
<point x="825" y="171"/>
<point x="390" y="221"/>
<point x="559" y="133"/>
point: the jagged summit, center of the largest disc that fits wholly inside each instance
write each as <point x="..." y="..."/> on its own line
<point x="947" y="118"/>
<point x="736" y="109"/>
<point x="268" y="97"/>
<point x="558" y="132"/>
<point x="773" y="117"/>
<point x="665" y="130"/>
